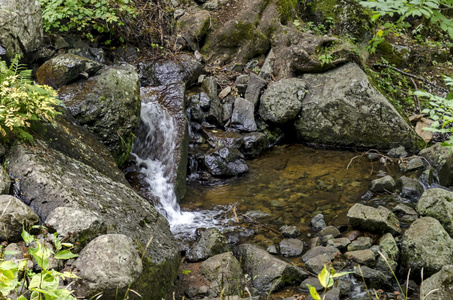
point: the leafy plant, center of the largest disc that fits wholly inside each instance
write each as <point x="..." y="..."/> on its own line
<point x="325" y="59"/>
<point x="22" y="101"/>
<point x="85" y="15"/>
<point x="326" y="278"/>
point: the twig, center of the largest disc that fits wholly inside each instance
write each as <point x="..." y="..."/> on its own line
<point x="416" y="97"/>
<point x="235" y="214"/>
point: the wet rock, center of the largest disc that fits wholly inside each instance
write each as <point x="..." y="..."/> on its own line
<point x="243" y="117"/>
<point x="373" y="219"/>
<point x="360" y="243"/>
<point x="385" y="184"/>
<point x="397" y="152"/>
<point x="211" y="242"/>
<point x="220" y="138"/>
<point x="330" y="230"/>
<point x="5" y="181"/>
<point x="316" y="264"/>
<point x="225" y="162"/>
<point x="21" y="28"/>
<point x="108" y="105"/>
<point x="437" y="203"/>
<point x="14" y="215"/>
<point x="215" y="112"/>
<point x="291" y="247"/>
<point x="426" y="244"/>
<point x="410" y="188"/>
<point x="282" y="100"/>
<point x="256" y="214"/>
<point x="413" y="164"/>
<point x="318" y="223"/>
<point x="64" y="69"/>
<point x="363" y="257"/>
<point x="76" y="225"/>
<point x="314" y="282"/>
<point x="439" y="285"/>
<point x="389" y="246"/>
<point x="228" y="105"/>
<point x="406" y="213"/>
<point x="267" y="272"/>
<point x="96" y="54"/>
<point x="386" y="264"/>
<point x="254" y="143"/>
<point x="373" y="278"/>
<point x="225" y="274"/>
<point x="329" y="251"/>
<point x="290" y="231"/>
<point x="108" y="264"/>
<point x="441" y="159"/>
<point x="340" y="243"/>
<point x="342" y="108"/>
<point x="194" y="25"/>
<point x="255" y="88"/>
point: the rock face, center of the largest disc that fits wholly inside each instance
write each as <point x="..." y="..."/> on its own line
<point x="373" y="219"/>
<point x="20" y="27"/>
<point x="13" y="215"/>
<point x="342" y="108"/>
<point x="440" y="285"/>
<point x="109" y="264"/>
<point x="282" y="101"/>
<point x="437" y="203"/>
<point x="426" y="244"/>
<point x="50" y="179"/>
<point x="108" y="105"/>
<point x="273" y="272"/>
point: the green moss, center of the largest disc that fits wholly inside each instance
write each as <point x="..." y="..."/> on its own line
<point x="287" y="10"/>
<point x="241" y="32"/>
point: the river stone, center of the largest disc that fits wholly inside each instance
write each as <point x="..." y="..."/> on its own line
<point x="363" y="257"/>
<point x="410" y="188"/>
<point x="291" y="247"/>
<point x="317" y="263"/>
<point x="50" y="179"/>
<point x="76" y="225"/>
<point x="225" y="162"/>
<point x="254" y="143"/>
<point x="373" y="278"/>
<point x="318" y="223"/>
<point x="14" y="214"/>
<point x="329" y="230"/>
<point x="268" y="66"/>
<point x="290" y="231"/>
<point x="389" y="246"/>
<point x="437" y="203"/>
<point x="108" y="105"/>
<point x="413" y="164"/>
<point x="243" y="117"/>
<point x="225" y="274"/>
<point x="385" y="184"/>
<point x="21" y="27"/>
<point x="441" y="158"/>
<point x="96" y="54"/>
<point x="211" y="242"/>
<point x="215" y="112"/>
<point x="217" y="138"/>
<point x="5" y="181"/>
<point x="373" y="219"/>
<point x="439" y="285"/>
<point x="319" y="250"/>
<point x="282" y="100"/>
<point x="267" y="272"/>
<point x="426" y="244"/>
<point x="64" y="69"/>
<point x="255" y="88"/>
<point x="397" y="152"/>
<point x="342" y="108"/>
<point x="108" y="264"/>
<point x="360" y="243"/>
<point x="340" y="243"/>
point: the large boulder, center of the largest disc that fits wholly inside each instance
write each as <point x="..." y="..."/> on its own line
<point x="193" y="27"/>
<point x="426" y="244"/>
<point x="108" y="105"/>
<point x="342" y="108"/>
<point x="282" y="100"/>
<point x="439" y="285"/>
<point x="441" y="158"/>
<point x="20" y="27"/>
<point x="14" y="214"/>
<point x="50" y="179"/>
<point x="267" y="273"/>
<point x="437" y="203"/>
<point x="373" y="219"/>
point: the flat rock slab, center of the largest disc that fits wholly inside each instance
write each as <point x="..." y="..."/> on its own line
<point x="373" y="219"/>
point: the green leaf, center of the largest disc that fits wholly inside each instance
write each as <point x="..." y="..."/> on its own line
<point x="324" y="277"/>
<point x="65" y="254"/>
<point x="313" y="293"/>
<point x="28" y="238"/>
<point x="56" y="241"/>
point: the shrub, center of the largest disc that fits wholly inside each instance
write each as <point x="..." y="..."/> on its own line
<point x="22" y="101"/>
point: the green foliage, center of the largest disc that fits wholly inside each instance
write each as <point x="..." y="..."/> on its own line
<point x="85" y="15"/>
<point x="325" y="59"/>
<point x="43" y="285"/>
<point x="440" y="111"/>
<point x="22" y="101"/>
<point x="321" y="29"/>
<point x="326" y="278"/>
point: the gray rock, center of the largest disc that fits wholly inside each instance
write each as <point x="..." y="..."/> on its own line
<point x="220" y="138"/>
<point x="215" y="112"/>
<point x="340" y="243"/>
<point x="225" y="92"/>
<point x="329" y="251"/>
<point x="243" y="117"/>
<point x="343" y="108"/>
<point x="108" y="264"/>
<point x="408" y="214"/>
<point x="318" y="223"/>
<point x="290" y="231"/>
<point x="291" y="247"/>
<point x="426" y="244"/>
<point x="12" y="252"/>
<point x="64" y="69"/>
<point x="211" y="242"/>
<point x="267" y="272"/>
<point x="14" y="214"/>
<point x="76" y="225"/>
<point x="385" y="264"/>
<point x="268" y="66"/>
<point x="363" y="257"/>
<point x="108" y="105"/>
<point x="316" y="264"/>
<point x="241" y="83"/>
<point x="373" y="219"/>
<point x="384" y="184"/>
<point x="410" y="188"/>
<point x="439" y="285"/>
<point x="389" y="246"/>
<point x="361" y="243"/>
<point x="225" y="162"/>
<point x="96" y="54"/>
<point x="314" y="282"/>
<point x="228" y="105"/>
<point x="437" y="203"/>
<point x="413" y="164"/>
<point x="5" y="181"/>
<point x="330" y="230"/>
<point x="256" y="214"/>
<point x="441" y="158"/>
<point x="194" y="25"/>
<point x="254" y="143"/>
<point x="255" y="88"/>
<point x="282" y="100"/>
<point x="21" y="28"/>
<point x="272" y="249"/>
<point x="225" y="274"/>
<point x="373" y="278"/>
<point x="397" y="152"/>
